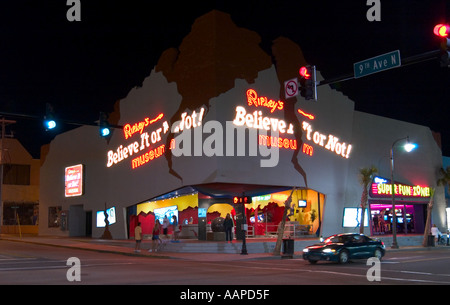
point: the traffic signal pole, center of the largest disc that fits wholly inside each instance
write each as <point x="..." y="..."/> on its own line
<point x="404" y="62"/>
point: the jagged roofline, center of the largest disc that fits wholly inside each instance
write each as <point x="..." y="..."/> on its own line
<point x="213" y="55"/>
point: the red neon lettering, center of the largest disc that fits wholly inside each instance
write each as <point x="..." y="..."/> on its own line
<point x="148" y="156"/>
<point x="277" y="141"/>
<point x="130" y="130"/>
<point x="253" y="99"/>
<point x="172" y="144"/>
<point x="309" y="116"/>
<point x="307" y="149"/>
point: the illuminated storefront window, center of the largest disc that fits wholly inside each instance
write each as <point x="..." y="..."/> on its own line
<point x="410" y="208"/>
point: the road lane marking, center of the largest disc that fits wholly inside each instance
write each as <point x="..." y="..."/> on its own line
<point x="347" y="274"/>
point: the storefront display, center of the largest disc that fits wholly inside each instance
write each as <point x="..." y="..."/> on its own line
<point x="410" y="207"/>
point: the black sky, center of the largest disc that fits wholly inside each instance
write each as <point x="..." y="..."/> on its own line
<point x="83" y="67"/>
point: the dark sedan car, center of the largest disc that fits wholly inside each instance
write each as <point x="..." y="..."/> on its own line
<point x="343" y="247"/>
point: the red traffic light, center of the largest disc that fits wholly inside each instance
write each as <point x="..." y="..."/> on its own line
<point x="245" y="199"/>
<point x="441" y="30"/>
<point x="304" y="72"/>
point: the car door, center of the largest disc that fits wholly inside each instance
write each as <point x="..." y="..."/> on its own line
<point x="364" y="246"/>
<point x="372" y="245"/>
<point x="359" y="245"/>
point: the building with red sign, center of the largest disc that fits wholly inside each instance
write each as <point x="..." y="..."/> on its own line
<point x="212" y="122"/>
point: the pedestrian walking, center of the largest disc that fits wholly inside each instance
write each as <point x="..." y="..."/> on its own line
<point x="165" y="225"/>
<point x="228" y="225"/>
<point x="155" y="237"/>
<point x="436" y="233"/>
<point x="138" y="237"/>
<point x="176" y="229"/>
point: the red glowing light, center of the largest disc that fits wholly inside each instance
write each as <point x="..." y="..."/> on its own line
<point x="309" y="116"/>
<point x="130" y="130"/>
<point x="307" y="149"/>
<point x="441" y="30"/>
<point x="263" y="101"/>
<point x="148" y="156"/>
<point x="304" y="72"/>
<point x="279" y="142"/>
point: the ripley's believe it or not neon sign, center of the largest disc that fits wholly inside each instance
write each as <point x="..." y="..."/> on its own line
<point x="148" y="146"/>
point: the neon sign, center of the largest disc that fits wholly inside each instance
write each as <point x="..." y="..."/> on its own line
<point x="263" y="101"/>
<point x="147" y="140"/>
<point x="150" y="140"/>
<point x="277" y="142"/>
<point x="308" y="115"/>
<point x="307" y="149"/>
<point x="129" y="130"/>
<point x="148" y="156"/>
<point x="329" y="142"/>
<point x="385" y="189"/>
<point x="258" y="121"/>
<point x="190" y="121"/>
<point x="74" y="180"/>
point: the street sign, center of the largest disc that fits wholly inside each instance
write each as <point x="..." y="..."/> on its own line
<point x="291" y="88"/>
<point x="377" y="64"/>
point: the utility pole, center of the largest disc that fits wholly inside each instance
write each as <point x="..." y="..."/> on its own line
<point x="3" y="122"/>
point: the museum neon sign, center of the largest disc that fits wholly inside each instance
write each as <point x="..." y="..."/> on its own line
<point x="146" y="142"/>
<point x="257" y="120"/>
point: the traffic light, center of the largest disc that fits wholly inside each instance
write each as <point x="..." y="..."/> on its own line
<point x="308" y="82"/>
<point x="244" y="199"/>
<point x="443" y="31"/>
<point x="104" y="127"/>
<point x="49" y="118"/>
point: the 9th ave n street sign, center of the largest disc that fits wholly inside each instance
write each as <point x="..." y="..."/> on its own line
<point x="377" y="64"/>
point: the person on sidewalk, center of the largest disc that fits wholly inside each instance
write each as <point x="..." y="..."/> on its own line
<point x="138" y="237"/>
<point x="165" y="225"/>
<point x="176" y="229"/>
<point x="155" y="238"/>
<point x="436" y="233"/>
<point x="228" y="225"/>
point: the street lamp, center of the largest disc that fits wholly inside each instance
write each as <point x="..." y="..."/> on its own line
<point x="408" y="148"/>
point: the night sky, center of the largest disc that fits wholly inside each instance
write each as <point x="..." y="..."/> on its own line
<point x="82" y="68"/>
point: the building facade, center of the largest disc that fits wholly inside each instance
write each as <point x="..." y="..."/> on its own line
<point x="214" y="121"/>
<point x="20" y="189"/>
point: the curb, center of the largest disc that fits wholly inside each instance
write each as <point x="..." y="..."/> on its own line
<point x="129" y="251"/>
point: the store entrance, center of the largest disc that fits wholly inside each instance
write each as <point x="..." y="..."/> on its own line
<point x="410" y="218"/>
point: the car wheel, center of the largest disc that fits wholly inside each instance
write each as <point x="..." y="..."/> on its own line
<point x="343" y="257"/>
<point x="378" y="254"/>
<point x="313" y="262"/>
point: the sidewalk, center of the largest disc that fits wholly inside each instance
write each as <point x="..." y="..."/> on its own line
<point x="126" y="247"/>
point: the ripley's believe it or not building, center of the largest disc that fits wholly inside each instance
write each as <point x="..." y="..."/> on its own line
<point x="212" y="121"/>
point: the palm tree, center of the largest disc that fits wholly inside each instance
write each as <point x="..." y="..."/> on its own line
<point x="365" y="178"/>
<point x="444" y="180"/>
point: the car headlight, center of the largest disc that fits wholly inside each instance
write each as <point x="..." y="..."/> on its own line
<point x="305" y="250"/>
<point x="328" y="250"/>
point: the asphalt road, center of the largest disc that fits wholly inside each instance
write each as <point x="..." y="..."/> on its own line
<point x="32" y="264"/>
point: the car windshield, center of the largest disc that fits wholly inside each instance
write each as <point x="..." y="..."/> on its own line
<point x="345" y="239"/>
<point x="333" y="239"/>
